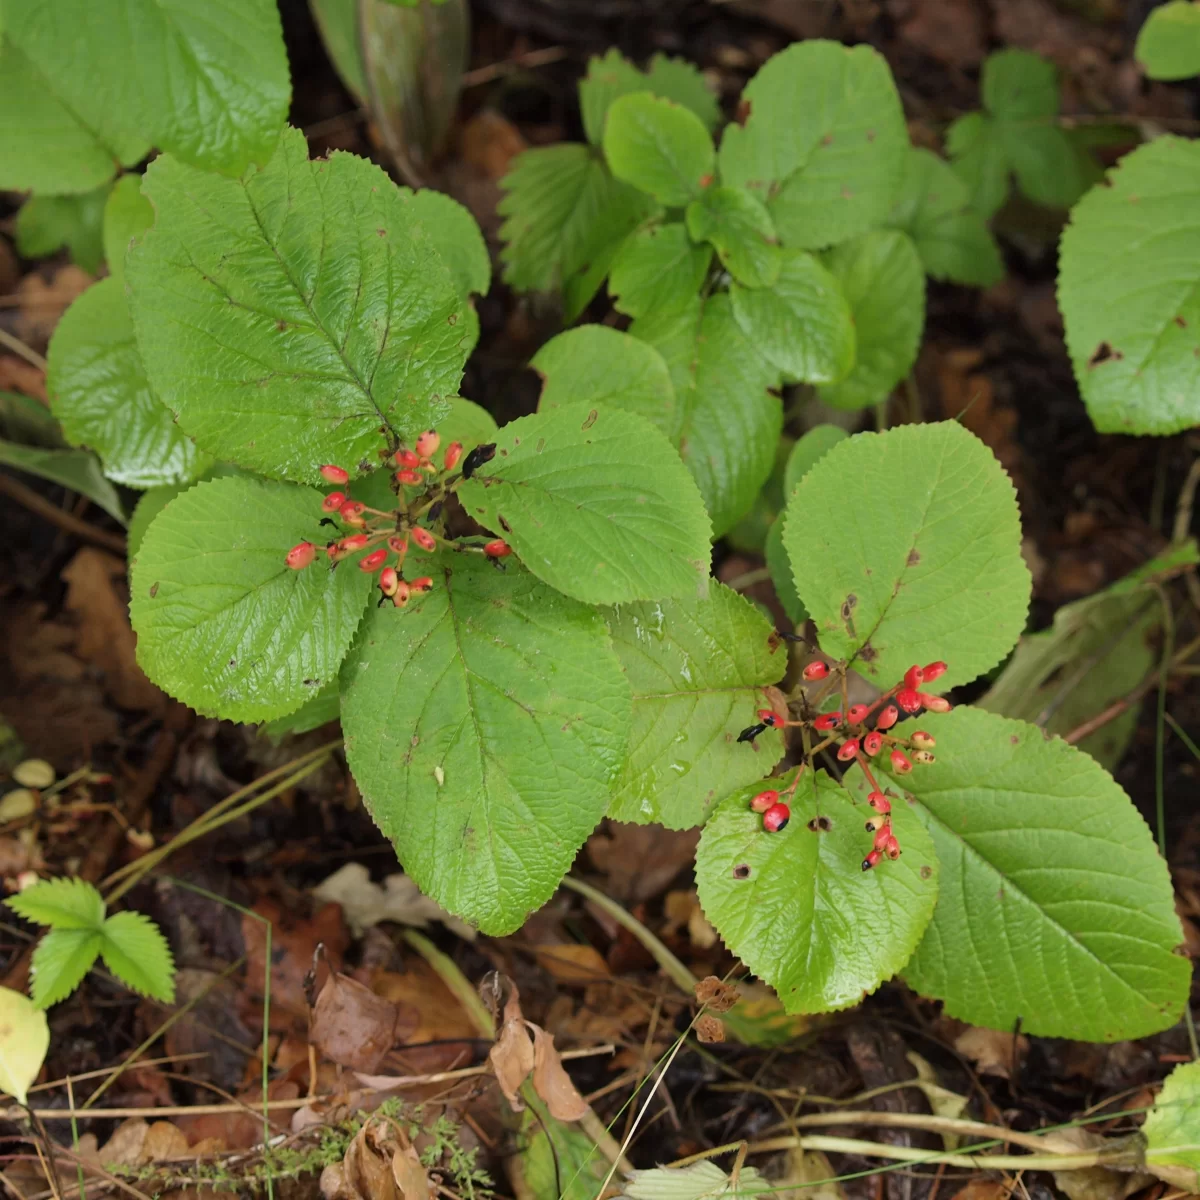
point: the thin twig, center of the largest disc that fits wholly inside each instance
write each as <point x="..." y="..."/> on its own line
<point x="64" y="520"/>
<point x="18" y="347"/>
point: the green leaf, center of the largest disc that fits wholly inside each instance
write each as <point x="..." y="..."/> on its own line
<point x="485" y="724"/>
<point x="135" y="951"/>
<point x="1172" y="1128"/>
<point x="1129" y="291"/>
<point x="468" y="423"/>
<point x="880" y="275"/>
<point x="566" y="218"/>
<point x="823" y="144"/>
<point x="29" y="422"/>
<point x="324" y="707"/>
<point x="729" y="421"/>
<point x="740" y="227"/>
<point x="802" y="323"/>
<point x="55" y="147"/>
<point x="701" y="1181"/>
<point x="596" y="503"/>
<point x="679" y="80"/>
<point x="337" y="21"/>
<point x="780" y="567"/>
<point x="208" y="85"/>
<point x="1056" y="909"/>
<point x="796" y="906"/>
<point x="1168" y="45"/>
<point x="291" y="317"/>
<point x="223" y="623"/>
<point x="64" y="903"/>
<point x="456" y="236"/>
<point x="77" y="470"/>
<point x="555" y="1158"/>
<point x="99" y="392"/>
<point x="60" y="961"/>
<point x="658" y="146"/>
<point x="696" y="667"/>
<point x="24" y="1040"/>
<point x="941" y="577"/>
<point x="47" y="223"/>
<point x="1018" y="134"/>
<point x="657" y="269"/>
<point x="809" y="451"/>
<point x="154" y="500"/>
<point x="1097" y="651"/>
<point x="127" y="214"/>
<point x="749" y="535"/>
<point x="595" y="364"/>
<point x="934" y="208"/>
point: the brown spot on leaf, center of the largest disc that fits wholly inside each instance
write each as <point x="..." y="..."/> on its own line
<point x="913" y="558"/>
<point x="848" y="606"/>
<point x="819" y="825"/>
<point x="827" y="140"/>
<point x="1180" y="322"/>
<point x="926" y="871"/>
<point x="153" y="590"/>
<point x="742" y="115"/>
<point x="503" y="523"/>
<point x="1102" y="354"/>
<point x="452" y="319"/>
<point x="1016" y="741"/>
<point x="590" y="419"/>
<point x="741" y="871"/>
<point x="870" y="135"/>
<point x="868" y="653"/>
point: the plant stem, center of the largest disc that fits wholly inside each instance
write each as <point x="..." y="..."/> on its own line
<point x="18" y="347"/>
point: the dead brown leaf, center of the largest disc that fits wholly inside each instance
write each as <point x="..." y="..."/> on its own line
<point x="572" y="962"/>
<point x="293" y="941"/>
<point x="984" y="1189"/>
<point x="951" y="31"/>
<point x="640" y="860"/>
<point x="441" y="1017"/>
<point x="352" y="1025"/>
<point x="718" y="995"/>
<point x="489" y="142"/>
<point x="164" y="1141"/>
<point x="125" y="1145"/>
<point x="410" y="1176"/>
<point x="551" y="1081"/>
<point x="17" y="375"/>
<point x="512" y="1057"/>
<point x="43" y="301"/>
<point x="368" y="1169"/>
<point x="992" y="1052"/>
<point x="240" y="1129"/>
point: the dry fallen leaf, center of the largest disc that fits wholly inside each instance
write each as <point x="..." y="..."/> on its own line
<point x="551" y="1081"/>
<point x="351" y="1025"/>
<point x="640" y="860"/>
<point x="293" y="942"/>
<point x="368" y="1170"/>
<point x="164" y="1141"/>
<point x="411" y="1178"/>
<point x="992" y="1052"/>
<point x="572" y="962"/>
<point x="365" y="903"/>
<point x="512" y="1056"/>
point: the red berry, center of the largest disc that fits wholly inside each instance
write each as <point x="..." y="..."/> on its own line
<point x="333" y="502"/>
<point x="872" y="860"/>
<point x="335" y="474"/>
<point x="407" y="458"/>
<point x="423" y="584"/>
<point x="408" y="477"/>
<point x="913" y="678"/>
<point x="923" y="756"/>
<point x="900" y="763"/>
<point x="922" y="740"/>
<point x="892" y="849"/>
<point x="453" y="454"/>
<point x="769" y="717"/>
<point x="935" y="670"/>
<point x="352" y="512"/>
<point x="764" y="800"/>
<point x="300" y="555"/>
<point x="848" y="750"/>
<point x="356" y="541"/>
<point x="828" y="721"/>
<point x="908" y="700"/>
<point x="815" y="670"/>
<point x="373" y="561"/>
<point x="938" y="704"/>
<point x="873" y="743"/>
<point x="423" y="538"/>
<point x="856" y="714"/>
<point x="400" y="599"/>
<point x="883" y="835"/>
<point x="389" y="581"/>
<point x="398" y="545"/>
<point x="428" y="442"/>
<point x="879" y="802"/>
<point x="776" y="817"/>
<point x="497" y="549"/>
<point x="887" y="718"/>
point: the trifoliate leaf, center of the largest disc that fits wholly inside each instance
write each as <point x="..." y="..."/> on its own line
<point x="596" y="503"/>
<point x="658" y="269"/>
<point x="1129" y="270"/>
<point x="127" y="214"/>
<point x="729" y="420"/>
<point x="823" y="144"/>
<point x="291" y="317"/>
<point x="65" y="903"/>
<point x="60" y="961"/>
<point x="880" y="275"/>
<point x="1168" y="44"/>
<point x="210" y="86"/>
<point x="78" y="470"/>
<point x="809" y="451"/>
<point x="1172" y="1128"/>
<point x="679" y="80"/>
<point x="223" y="623"/>
<point x="56" y="147"/>
<point x="47" y="223"/>
<point x="135" y="951"/>
<point x="99" y="391"/>
<point x="1055" y="907"/>
<point x="24" y="1040"/>
<point x="933" y="207"/>
<point x="696" y="667"/>
<point x="796" y="906"/>
<point x="738" y="224"/>
<point x="485" y="724"/>
<point x="802" y="323"/>
<point x="931" y="570"/>
<point x="595" y="364"/>
<point x="658" y="146"/>
<point x="1018" y="134"/>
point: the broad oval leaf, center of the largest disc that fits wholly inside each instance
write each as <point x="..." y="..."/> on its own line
<point x="76" y="470"/>
<point x="60" y="961"/>
<point x="127" y="213"/>
<point x="802" y="323"/>
<point x="808" y="451"/>
<point x="24" y="1040"/>
<point x="208" y="84"/>
<point x="47" y="223"/>
<point x="935" y="573"/>
<point x="738" y="224"/>
<point x="595" y="364"/>
<point x="1129" y="290"/>
<point x="823" y="144"/>
<point x="485" y="724"/>
<point x="658" y="269"/>
<point x="1056" y="909"/>
<point x="135" y="951"/>
<point x="659" y="147"/>
<point x="324" y="707"/>
<point x="100" y="393"/>
<point x="292" y="317"/>
<point x="223" y="623"/>
<point x="697" y="668"/>
<point x="1172" y="1128"/>
<point x="796" y="906"/>
<point x="1168" y="44"/>
<point x="596" y="503"/>
<point x="880" y="275"/>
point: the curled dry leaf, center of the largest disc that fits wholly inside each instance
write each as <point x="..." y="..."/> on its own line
<point x="410" y="1176"/>
<point x="716" y="994"/>
<point x="351" y="1025"/>
<point x="551" y="1081"/>
<point x="512" y="1056"/>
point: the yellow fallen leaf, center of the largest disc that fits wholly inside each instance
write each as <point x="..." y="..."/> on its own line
<point x="24" y="1040"/>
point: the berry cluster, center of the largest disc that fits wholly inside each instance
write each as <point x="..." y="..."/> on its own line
<point x="384" y="534"/>
<point x="848" y="730"/>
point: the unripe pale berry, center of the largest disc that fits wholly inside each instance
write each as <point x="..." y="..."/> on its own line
<point x="333" y="502"/>
<point x="873" y="743"/>
<point x="352" y="512"/>
<point x="373" y="561"/>
<point x="356" y="541"/>
<point x="873" y="823"/>
<point x="828" y="721"/>
<point x="764" y="800"/>
<point x="908" y="700"/>
<point x="408" y="477"/>
<point x="887" y="718"/>
<point x="453" y="454"/>
<point x="892" y="849"/>
<point x="937" y="704"/>
<point x="428" y="442"/>
<point x="407" y="458"/>
<point x="335" y="474"/>
<point x="497" y="549"/>
<point x="913" y="677"/>
<point x="300" y="555"/>
<point x="900" y="763"/>
<point x="776" y="817"/>
<point x="423" y="538"/>
<point x="422" y="584"/>
<point x="389" y="581"/>
<point x="879" y="802"/>
<point x="857" y="713"/>
<point x="815" y="670"/>
<point x="922" y="740"/>
<point x="935" y="670"/>
<point x="398" y="545"/>
<point x="848" y="750"/>
<point x="769" y="717"/>
<point x="872" y="860"/>
<point x="923" y="756"/>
